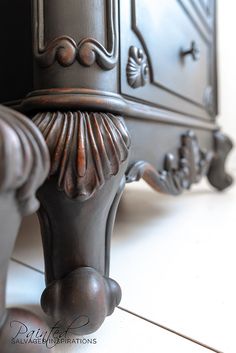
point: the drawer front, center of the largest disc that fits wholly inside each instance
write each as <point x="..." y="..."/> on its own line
<point x="205" y="4"/>
<point x="205" y="10"/>
<point x="177" y="55"/>
<point x="172" y="32"/>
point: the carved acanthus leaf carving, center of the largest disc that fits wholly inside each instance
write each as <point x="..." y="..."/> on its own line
<point x="86" y="149"/>
<point x="24" y="158"/>
<point x="66" y="51"/>
<point x="178" y="174"/>
<point x="137" y="68"/>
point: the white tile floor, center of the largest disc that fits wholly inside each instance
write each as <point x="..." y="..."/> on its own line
<point x="175" y="261"/>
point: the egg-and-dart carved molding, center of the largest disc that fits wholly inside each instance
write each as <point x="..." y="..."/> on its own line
<point x="66" y="51"/>
<point x="137" y="68"/>
<point x="86" y="149"/>
<point x="178" y="173"/>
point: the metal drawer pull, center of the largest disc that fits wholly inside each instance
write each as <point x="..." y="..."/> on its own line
<point x="194" y="51"/>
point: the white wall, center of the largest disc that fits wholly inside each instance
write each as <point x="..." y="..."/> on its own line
<point x="227" y="70"/>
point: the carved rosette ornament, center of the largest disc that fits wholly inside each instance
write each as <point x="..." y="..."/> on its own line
<point x="86" y="149"/>
<point x="178" y="173"/>
<point x="137" y="68"/>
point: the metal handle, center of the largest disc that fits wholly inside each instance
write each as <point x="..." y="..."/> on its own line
<point x="194" y="51"/>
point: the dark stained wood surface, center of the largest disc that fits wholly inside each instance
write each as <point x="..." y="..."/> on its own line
<point x="163" y="30"/>
<point x="24" y="164"/>
<point x="92" y="68"/>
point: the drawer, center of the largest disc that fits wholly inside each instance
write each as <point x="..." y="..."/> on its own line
<point x="177" y="54"/>
<point x="206" y="6"/>
<point x="205" y="9"/>
<point x="172" y="33"/>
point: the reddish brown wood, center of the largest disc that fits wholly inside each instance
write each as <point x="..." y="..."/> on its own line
<point x="86" y="149"/>
<point x="89" y="156"/>
<point x="86" y="69"/>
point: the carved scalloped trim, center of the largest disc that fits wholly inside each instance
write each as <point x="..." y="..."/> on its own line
<point x="178" y="174"/>
<point x="66" y="51"/>
<point x="86" y="149"/>
<point x="24" y="158"/>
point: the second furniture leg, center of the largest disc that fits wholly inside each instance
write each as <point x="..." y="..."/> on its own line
<point x="77" y="218"/>
<point x="24" y="165"/>
<point x="217" y="174"/>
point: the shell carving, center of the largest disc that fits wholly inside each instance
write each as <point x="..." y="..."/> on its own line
<point x="137" y="68"/>
<point x="86" y="149"/>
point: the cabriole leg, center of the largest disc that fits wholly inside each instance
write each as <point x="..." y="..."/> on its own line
<point x="89" y="155"/>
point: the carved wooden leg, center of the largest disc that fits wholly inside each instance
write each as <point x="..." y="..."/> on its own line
<point x="89" y="154"/>
<point x="24" y="164"/>
<point x="217" y="175"/>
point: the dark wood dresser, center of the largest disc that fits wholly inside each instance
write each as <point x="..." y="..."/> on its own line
<point x="121" y="90"/>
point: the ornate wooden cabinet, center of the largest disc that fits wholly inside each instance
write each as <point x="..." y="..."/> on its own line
<point x="121" y="90"/>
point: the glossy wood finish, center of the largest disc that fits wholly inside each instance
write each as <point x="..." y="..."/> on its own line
<point x="171" y="79"/>
<point x="24" y="166"/>
<point x="166" y="21"/>
<point x="83" y="53"/>
<point x="89" y="156"/>
<point x="87" y="48"/>
<point x="99" y="66"/>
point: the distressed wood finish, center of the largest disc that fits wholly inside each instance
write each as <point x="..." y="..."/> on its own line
<point x="24" y="166"/>
<point x="177" y="175"/>
<point x="86" y="149"/>
<point x="78" y="48"/>
<point x="93" y="62"/>
<point x="66" y="51"/>
<point x="89" y="156"/>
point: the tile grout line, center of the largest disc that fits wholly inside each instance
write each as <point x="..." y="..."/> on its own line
<point x="170" y="330"/>
<point x="134" y="314"/>
<point x="25" y="265"/>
